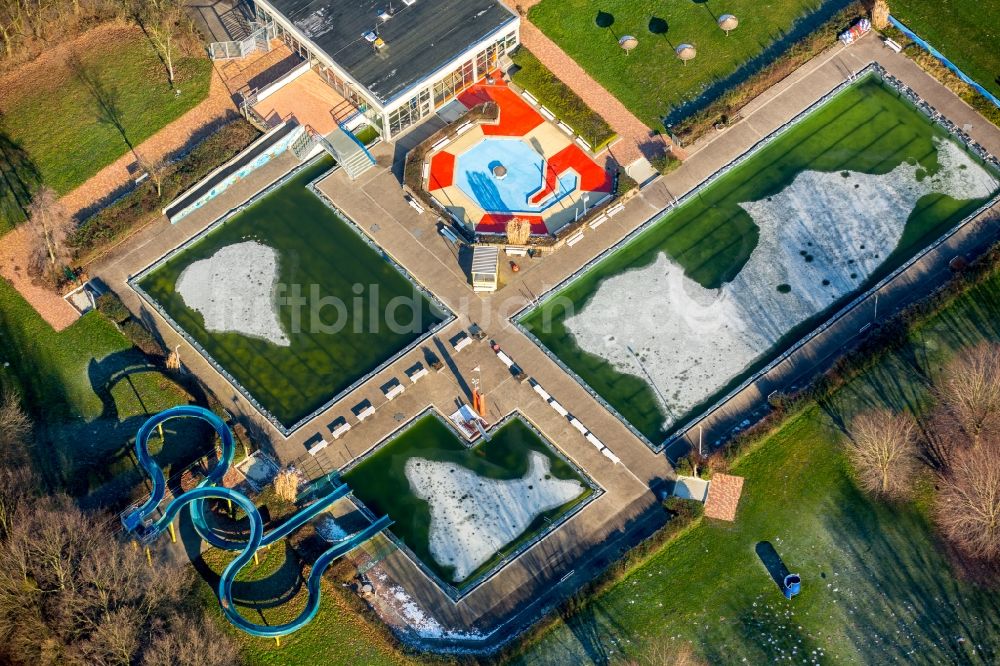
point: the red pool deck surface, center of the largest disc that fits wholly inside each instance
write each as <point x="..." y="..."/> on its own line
<point x="593" y="178"/>
<point x="517" y="118"/>
<point x="442" y="171"/>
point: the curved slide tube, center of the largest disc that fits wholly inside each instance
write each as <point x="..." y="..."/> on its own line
<point x="135" y="521"/>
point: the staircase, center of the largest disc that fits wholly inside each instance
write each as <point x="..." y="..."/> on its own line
<point x="348" y="151"/>
<point x="303" y="145"/>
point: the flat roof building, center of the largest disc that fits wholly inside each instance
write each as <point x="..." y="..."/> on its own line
<point x="397" y="61"/>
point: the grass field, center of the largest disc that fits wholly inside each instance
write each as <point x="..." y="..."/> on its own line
<point x="876" y="588"/>
<point x="866" y="128"/>
<point x="88" y="390"/>
<point x="61" y="123"/>
<point x="650" y="80"/>
<point x="316" y="250"/>
<point x="956" y="28"/>
<point x="380" y="481"/>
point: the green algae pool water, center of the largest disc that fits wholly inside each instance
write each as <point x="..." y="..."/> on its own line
<point x="380" y="482"/>
<point x="864" y="133"/>
<point x="316" y="250"/>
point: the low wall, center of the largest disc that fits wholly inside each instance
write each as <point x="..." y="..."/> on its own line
<point x="257" y="154"/>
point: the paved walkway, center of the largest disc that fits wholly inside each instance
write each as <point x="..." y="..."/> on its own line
<point x="637" y="140"/>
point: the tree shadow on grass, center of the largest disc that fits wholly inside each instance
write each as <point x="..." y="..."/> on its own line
<point x="106" y="100"/>
<point x="19" y="178"/>
<point x="900" y="595"/>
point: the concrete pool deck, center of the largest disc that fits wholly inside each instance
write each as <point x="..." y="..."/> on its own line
<point x="571" y="555"/>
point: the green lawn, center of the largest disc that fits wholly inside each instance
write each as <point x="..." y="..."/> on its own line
<point x="957" y="29"/>
<point x="876" y="586"/>
<point x="650" y="80"/>
<point x="62" y="129"/>
<point x="88" y="391"/>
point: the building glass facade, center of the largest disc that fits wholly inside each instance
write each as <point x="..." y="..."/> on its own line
<point x="391" y="120"/>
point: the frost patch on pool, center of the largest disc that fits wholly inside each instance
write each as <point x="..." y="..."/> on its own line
<point x="233" y="290"/>
<point x="473" y="517"/>
<point x="820" y="238"/>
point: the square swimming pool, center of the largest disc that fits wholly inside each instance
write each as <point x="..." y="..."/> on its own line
<point x="289" y="300"/>
<point x="464" y="510"/>
<point x="691" y="305"/>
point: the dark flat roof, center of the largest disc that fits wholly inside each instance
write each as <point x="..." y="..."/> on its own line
<point x="419" y="38"/>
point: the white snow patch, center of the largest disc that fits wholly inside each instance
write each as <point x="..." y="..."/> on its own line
<point x="328" y="529"/>
<point x="234" y="291"/>
<point x="687" y="342"/>
<point x="473" y="517"/>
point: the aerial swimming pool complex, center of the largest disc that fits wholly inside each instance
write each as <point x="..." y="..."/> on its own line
<point x="289" y="300"/>
<point x="690" y="305"/>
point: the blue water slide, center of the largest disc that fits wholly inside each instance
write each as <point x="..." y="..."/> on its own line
<point x="135" y="521"/>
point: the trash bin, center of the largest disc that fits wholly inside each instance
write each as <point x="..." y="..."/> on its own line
<point x="792" y="585"/>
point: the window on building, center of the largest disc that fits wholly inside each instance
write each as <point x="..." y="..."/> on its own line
<point x="454" y="83"/>
<point x="413" y="110"/>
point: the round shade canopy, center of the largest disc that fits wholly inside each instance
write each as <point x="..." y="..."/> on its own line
<point x="686" y="52"/>
<point x="628" y="42"/>
<point x="728" y="22"/>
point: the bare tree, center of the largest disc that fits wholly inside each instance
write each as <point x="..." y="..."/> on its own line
<point x="157" y="170"/>
<point x="518" y="231"/>
<point x="49" y="224"/>
<point x="969" y="389"/>
<point x="15" y="426"/>
<point x="161" y="21"/>
<point x="883" y="448"/>
<point x="968" y="505"/>
<point x="286" y="485"/>
<point x="190" y="642"/>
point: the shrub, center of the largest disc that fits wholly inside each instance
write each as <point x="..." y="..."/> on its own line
<point x="626" y="183"/>
<point x="142" y="338"/>
<point x="109" y="305"/>
<point x="682" y="512"/>
<point x="110" y="224"/>
<point x="559" y="98"/>
<point x="665" y="163"/>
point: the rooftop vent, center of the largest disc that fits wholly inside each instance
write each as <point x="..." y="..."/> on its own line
<point x="372" y="38"/>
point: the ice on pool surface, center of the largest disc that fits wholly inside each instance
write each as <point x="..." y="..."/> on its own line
<point x="233" y="290"/>
<point x="820" y="238"/>
<point x="473" y="517"/>
<point x="511" y="194"/>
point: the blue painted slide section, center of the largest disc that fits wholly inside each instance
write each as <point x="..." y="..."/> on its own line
<point x="136" y="522"/>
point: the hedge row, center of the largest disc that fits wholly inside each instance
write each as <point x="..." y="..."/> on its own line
<point x="560" y="99"/>
<point x="110" y="224"/>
